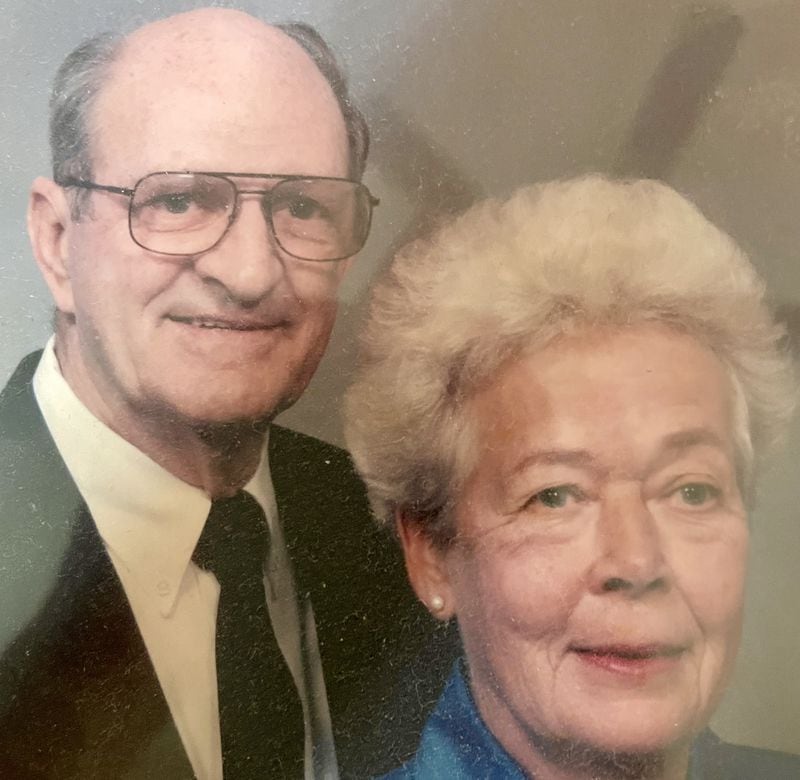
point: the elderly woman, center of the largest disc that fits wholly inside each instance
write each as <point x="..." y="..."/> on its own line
<point x="561" y="404"/>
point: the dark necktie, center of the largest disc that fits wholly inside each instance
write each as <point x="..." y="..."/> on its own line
<point x="261" y="719"/>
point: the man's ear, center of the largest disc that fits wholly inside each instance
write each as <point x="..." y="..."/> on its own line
<point x="48" y="228"/>
<point x="427" y="567"/>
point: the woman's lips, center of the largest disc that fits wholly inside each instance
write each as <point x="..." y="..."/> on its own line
<point x="630" y="660"/>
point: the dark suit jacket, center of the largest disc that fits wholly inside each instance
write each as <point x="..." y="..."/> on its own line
<point x="78" y="694"/>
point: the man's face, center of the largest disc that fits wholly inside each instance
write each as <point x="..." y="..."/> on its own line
<point x="234" y="333"/>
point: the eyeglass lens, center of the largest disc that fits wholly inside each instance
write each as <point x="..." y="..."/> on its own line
<point x="188" y="213"/>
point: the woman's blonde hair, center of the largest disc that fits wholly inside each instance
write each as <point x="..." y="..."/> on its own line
<point x="511" y="276"/>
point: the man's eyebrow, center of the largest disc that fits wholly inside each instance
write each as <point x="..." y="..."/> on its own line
<point x="575" y="458"/>
<point x="692" y="437"/>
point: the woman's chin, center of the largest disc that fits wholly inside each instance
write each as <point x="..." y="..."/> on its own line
<point x="633" y="736"/>
<point x="652" y="719"/>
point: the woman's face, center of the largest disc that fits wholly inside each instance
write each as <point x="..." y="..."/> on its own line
<point x="597" y="575"/>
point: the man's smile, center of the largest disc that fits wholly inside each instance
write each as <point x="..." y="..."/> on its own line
<point x="231" y="323"/>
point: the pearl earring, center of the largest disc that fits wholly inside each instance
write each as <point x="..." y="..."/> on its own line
<point x="437" y="603"/>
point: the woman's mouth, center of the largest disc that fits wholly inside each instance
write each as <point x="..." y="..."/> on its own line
<point x="636" y="660"/>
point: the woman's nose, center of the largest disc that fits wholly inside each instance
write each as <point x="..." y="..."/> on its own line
<point x="629" y="555"/>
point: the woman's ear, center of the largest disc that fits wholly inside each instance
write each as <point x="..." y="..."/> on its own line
<point x="427" y="567"/>
<point x="49" y="220"/>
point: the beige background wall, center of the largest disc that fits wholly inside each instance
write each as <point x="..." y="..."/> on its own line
<point x="473" y="97"/>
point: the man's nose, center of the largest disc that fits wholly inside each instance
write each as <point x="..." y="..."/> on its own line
<point x="629" y="549"/>
<point x="247" y="262"/>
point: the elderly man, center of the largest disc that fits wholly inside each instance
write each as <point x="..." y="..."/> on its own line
<point x="187" y="589"/>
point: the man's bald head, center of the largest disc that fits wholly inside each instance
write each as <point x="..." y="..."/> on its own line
<point x="176" y="43"/>
<point x="208" y="48"/>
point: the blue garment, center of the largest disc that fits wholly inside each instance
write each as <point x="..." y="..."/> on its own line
<point x="456" y="745"/>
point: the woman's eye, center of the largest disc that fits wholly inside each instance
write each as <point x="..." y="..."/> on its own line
<point x="554" y="497"/>
<point x="697" y="493"/>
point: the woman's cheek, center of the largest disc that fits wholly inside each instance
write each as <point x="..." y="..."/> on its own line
<point x="506" y="595"/>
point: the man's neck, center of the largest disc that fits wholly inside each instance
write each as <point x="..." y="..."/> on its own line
<point x="217" y="458"/>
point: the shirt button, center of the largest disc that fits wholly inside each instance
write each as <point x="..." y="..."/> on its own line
<point x="163" y="588"/>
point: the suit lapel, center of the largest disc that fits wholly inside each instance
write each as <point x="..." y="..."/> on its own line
<point x="370" y="644"/>
<point x="80" y="695"/>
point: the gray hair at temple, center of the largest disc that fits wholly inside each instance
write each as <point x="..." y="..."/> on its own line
<point x="509" y="277"/>
<point x="83" y="73"/>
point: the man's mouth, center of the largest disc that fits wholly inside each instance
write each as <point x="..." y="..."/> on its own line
<point x="217" y="323"/>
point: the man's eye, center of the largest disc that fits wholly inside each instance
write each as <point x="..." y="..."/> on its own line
<point x="174" y="203"/>
<point x="303" y="208"/>
<point x="698" y="493"/>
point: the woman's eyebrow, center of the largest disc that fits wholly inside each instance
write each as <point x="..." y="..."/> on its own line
<point x="669" y="446"/>
<point x="562" y="457"/>
<point x="679" y="442"/>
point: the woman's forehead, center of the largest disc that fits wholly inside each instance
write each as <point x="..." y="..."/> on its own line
<point x="646" y="383"/>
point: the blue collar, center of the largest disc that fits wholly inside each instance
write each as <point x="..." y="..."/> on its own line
<point x="456" y="742"/>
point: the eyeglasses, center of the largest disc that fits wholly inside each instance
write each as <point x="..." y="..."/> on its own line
<point x="186" y="213"/>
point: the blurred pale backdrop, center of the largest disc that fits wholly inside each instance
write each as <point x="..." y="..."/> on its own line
<point x="472" y="97"/>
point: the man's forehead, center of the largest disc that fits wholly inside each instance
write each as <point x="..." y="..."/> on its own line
<point x="209" y="87"/>
<point x="199" y="44"/>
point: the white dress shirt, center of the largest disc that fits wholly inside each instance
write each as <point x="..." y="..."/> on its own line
<point x="150" y="521"/>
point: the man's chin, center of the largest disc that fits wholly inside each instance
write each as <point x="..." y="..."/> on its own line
<point x="233" y="427"/>
<point x="252" y="415"/>
<point x="223" y="410"/>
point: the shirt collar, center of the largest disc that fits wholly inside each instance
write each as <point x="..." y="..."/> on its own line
<point x="456" y="741"/>
<point x="148" y="518"/>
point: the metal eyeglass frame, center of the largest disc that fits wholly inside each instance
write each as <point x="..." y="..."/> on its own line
<point x="266" y="207"/>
